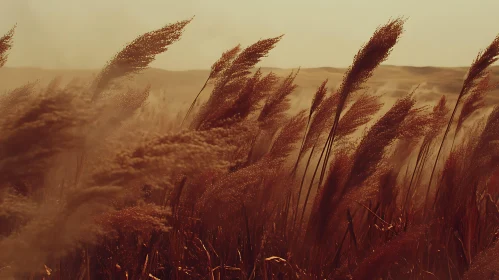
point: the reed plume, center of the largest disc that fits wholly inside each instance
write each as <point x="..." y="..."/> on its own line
<point x="437" y="122"/>
<point x="319" y="95"/>
<point x="365" y="61"/>
<point x="5" y="45"/>
<point x="137" y="55"/>
<point x="218" y="67"/>
<point x="369" y="153"/>
<point x="477" y="71"/>
<point x="244" y="103"/>
<point x="474" y="101"/>
<point x="277" y="103"/>
<point x="320" y="120"/>
<point x="31" y="131"/>
<point x="359" y="114"/>
<point x="232" y="79"/>
<point x="372" y="146"/>
<point x="288" y="136"/>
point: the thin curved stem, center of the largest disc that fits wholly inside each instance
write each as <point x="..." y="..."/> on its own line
<point x="194" y="102"/>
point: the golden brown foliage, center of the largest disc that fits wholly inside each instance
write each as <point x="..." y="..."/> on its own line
<point x="108" y="187"/>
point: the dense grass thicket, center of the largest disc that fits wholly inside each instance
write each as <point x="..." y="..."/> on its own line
<point x="96" y="183"/>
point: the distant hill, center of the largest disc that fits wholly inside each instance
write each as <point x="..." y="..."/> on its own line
<point x="180" y="87"/>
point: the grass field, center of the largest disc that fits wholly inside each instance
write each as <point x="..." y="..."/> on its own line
<point x="240" y="172"/>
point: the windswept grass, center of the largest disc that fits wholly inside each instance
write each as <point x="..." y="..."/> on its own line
<point x="94" y="184"/>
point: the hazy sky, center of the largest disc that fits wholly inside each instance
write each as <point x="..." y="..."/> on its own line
<point x="86" y="33"/>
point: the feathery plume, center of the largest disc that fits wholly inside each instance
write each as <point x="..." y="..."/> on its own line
<point x="365" y="61"/>
<point x="277" y="103"/>
<point x="479" y="66"/>
<point x="319" y="95"/>
<point x="321" y="120"/>
<point x="231" y="80"/>
<point x="372" y="146"/>
<point x="244" y="103"/>
<point x="218" y="67"/>
<point x="5" y="45"/>
<point x="288" y="136"/>
<point x="477" y="71"/>
<point x="359" y="114"/>
<point x="137" y="55"/>
<point x="36" y="132"/>
<point x="474" y="101"/>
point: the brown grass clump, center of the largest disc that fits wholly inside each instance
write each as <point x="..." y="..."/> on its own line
<point x="218" y="67"/>
<point x="109" y="187"/>
<point x="231" y="80"/>
<point x="476" y="72"/>
<point x="366" y="60"/>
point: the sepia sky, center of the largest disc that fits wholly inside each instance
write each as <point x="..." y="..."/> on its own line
<point x="86" y="33"/>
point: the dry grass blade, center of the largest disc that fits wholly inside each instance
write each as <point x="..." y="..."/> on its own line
<point x="218" y="67"/>
<point x="359" y="114"/>
<point x="474" y="101"/>
<point x="477" y="70"/>
<point x="223" y="62"/>
<point x="320" y="122"/>
<point x="249" y="57"/>
<point x="371" y="149"/>
<point x="369" y="152"/>
<point x="277" y="103"/>
<point x="366" y="60"/>
<point x="321" y="214"/>
<point x="5" y="45"/>
<point x="437" y="116"/>
<point x="289" y="135"/>
<point x="244" y="103"/>
<point x="479" y="66"/>
<point x="485" y="154"/>
<point x="319" y="95"/>
<point x="318" y="99"/>
<point x="232" y="79"/>
<point x="137" y="55"/>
